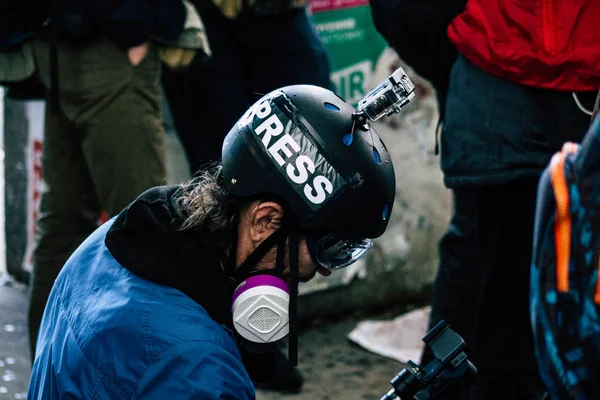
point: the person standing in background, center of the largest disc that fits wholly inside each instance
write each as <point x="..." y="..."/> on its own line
<point x="457" y="280"/>
<point x="105" y="144"/>
<point x="257" y="46"/>
<point x="524" y="83"/>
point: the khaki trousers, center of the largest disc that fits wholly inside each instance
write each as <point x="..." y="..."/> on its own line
<point x="104" y="149"/>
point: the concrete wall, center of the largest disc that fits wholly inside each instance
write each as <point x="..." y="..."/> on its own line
<point x="2" y="197"/>
<point x="16" y="127"/>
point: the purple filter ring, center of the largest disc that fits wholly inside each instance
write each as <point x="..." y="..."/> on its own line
<point x="260" y="280"/>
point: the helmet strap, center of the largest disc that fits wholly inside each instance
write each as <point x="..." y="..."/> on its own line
<point x="248" y="267"/>
<point x="293" y="307"/>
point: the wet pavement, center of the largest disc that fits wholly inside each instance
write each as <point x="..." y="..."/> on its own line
<point x="14" y="350"/>
<point x="333" y="367"/>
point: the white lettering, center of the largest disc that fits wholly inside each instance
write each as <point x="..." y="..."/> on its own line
<point x="246" y="118"/>
<point x="271" y="127"/>
<point x="281" y="145"/>
<point x="302" y="163"/>
<point x="260" y="110"/>
<point x="321" y="185"/>
<point x="264" y="109"/>
<point x="344" y="24"/>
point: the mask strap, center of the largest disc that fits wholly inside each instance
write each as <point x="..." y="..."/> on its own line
<point x="293" y="307"/>
<point x="279" y="261"/>
<point x="249" y="265"/>
<point x="231" y="259"/>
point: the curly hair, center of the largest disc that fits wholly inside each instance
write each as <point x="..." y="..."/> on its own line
<point x="204" y="204"/>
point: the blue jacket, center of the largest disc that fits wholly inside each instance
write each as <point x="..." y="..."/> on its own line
<point x="108" y="333"/>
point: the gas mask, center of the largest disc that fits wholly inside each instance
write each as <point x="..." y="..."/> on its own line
<point x="263" y="304"/>
<point x="260" y="309"/>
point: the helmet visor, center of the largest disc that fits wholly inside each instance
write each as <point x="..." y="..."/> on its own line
<point x="334" y="251"/>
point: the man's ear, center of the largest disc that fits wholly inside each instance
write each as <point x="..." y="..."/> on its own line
<point x="266" y="218"/>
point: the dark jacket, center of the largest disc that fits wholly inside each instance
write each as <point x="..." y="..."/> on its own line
<point x="496" y="131"/>
<point x="126" y="22"/>
<point x="140" y="310"/>
<point x="417" y="31"/>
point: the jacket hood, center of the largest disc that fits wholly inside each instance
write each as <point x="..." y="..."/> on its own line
<point x="145" y="239"/>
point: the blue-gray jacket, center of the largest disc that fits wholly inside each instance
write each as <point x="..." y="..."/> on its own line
<point x="108" y="333"/>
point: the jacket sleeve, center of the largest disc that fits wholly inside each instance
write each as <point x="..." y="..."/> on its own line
<point x="195" y="370"/>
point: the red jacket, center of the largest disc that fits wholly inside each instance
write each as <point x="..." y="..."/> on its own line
<point x="553" y="44"/>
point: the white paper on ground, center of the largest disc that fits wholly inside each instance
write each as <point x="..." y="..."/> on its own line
<point x="398" y="339"/>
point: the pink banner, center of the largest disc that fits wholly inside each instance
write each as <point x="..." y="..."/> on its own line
<point x="328" y="5"/>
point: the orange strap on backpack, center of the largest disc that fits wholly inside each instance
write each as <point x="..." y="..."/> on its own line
<point x="562" y="223"/>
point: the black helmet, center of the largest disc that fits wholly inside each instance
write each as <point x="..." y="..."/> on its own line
<point x="311" y="149"/>
<point x="302" y="144"/>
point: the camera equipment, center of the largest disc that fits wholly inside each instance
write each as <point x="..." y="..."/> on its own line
<point x="450" y="364"/>
<point x="387" y="98"/>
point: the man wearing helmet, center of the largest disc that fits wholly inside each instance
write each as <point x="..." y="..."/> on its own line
<point x="164" y="300"/>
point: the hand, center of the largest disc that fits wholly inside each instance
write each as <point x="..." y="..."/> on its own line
<point x="136" y="54"/>
<point x="176" y="58"/>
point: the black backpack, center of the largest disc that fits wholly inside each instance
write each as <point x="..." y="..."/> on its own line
<point x="416" y="30"/>
<point x="565" y="291"/>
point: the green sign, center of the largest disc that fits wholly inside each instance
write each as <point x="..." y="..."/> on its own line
<point x="354" y="46"/>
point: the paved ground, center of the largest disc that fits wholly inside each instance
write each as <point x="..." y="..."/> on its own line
<point x="333" y="367"/>
<point x="14" y="351"/>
